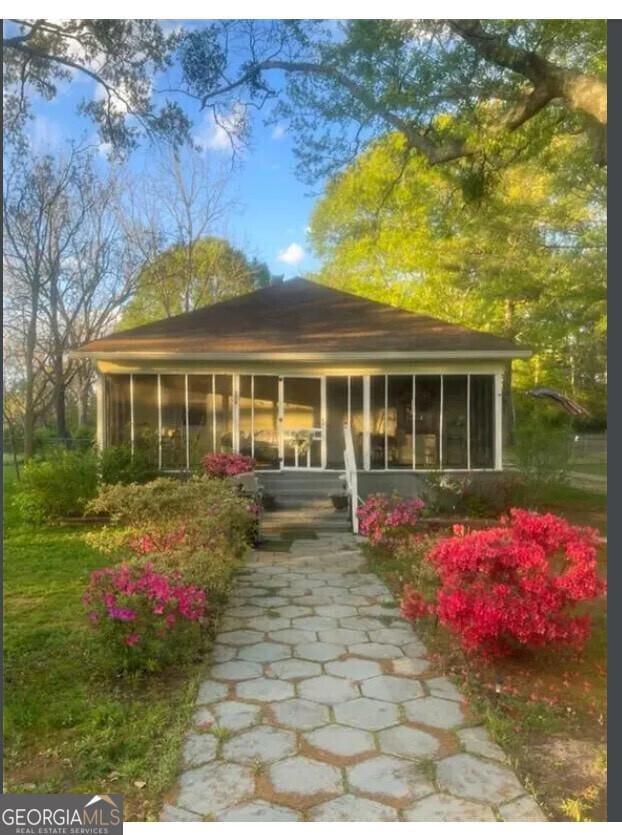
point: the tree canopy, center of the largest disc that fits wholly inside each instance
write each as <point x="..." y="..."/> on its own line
<point x="186" y="277"/>
<point x="528" y="261"/>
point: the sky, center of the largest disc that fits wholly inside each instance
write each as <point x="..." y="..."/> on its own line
<point x="272" y="206"/>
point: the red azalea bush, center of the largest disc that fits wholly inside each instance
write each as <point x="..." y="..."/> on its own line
<point x="518" y="584"/>
<point x="146" y="616"/>
<point x="221" y="464"/>
<point x="385" y="519"/>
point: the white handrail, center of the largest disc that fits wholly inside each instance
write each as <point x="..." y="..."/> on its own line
<point x="349" y="459"/>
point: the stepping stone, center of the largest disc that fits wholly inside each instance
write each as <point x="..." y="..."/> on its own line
<point x="204" y="718"/>
<point x="316" y="651"/>
<point x="262" y="744"/>
<point x="315" y="623"/>
<point x="293" y="611"/>
<point x="414" y="649"/>
<point x="294" y="668"/>
<point x="172" y="814"/>
<point x="361" y="622"/>
<point x="342" y="636"/>
<point x="341" y="741"/>
<point x="467" y="776"/>
<point x="300" y="714"/>
<point x="236" y="670"/>
<point x="222" y="653"/>
<point x="265" y="651"/>
<point x="523" y="808"/>
<point x="260" y="810"/>
<point x="265" y="690"/>
<point x="289" y="636"/>
<point x="211" y="691"/>
<point x="327" y="690"/>
<point x="478" y="741"/>
<point x="375" y="650"/>
<point x="354" y="668"/>
<point x="243" y="611"/>
<point x="407" y="742"/>
<point x="444" y="807"/>
<point x="240" y="637"/>
<point x="199" y="749"/>
<point x="404" y="666"/>
<point x="389" y="777"/>
<point x="304" y="777"/>
<point x="215" y="787"/>
<point x="444" y="689"/>
<point x="396" y="637"/>
<point x="336" y="611"/>
<point x="235" y="716"/>
<point x="369" y="714"/>
<point x="392" y="688"/>
<point x="348" y="807"/>
<point x="438" y="713"/>
<point x="269" y="602"/>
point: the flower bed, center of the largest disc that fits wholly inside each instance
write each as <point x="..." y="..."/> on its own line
<point x="223" y="464"/>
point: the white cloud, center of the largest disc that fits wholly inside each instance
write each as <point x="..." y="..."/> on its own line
<point x="278" y="131"/>
<point x="222" y="135"/>
<point x="293" y="254"/>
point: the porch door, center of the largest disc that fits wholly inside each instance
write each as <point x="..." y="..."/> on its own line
<point x="302" y="423"/>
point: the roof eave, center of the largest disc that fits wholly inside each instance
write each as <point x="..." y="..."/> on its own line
<point x="232" y="356"/>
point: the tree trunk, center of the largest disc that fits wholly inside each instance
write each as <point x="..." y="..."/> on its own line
<point x="29" y="417"/>
<point x="83" y="404"/>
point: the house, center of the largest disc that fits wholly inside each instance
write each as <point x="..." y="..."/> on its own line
<point x="276" y="373"/>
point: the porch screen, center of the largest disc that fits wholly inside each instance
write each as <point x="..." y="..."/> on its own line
<point x="118" y="410"/>
<point x="482" y="421"/>
<point x="427" y="422"/>
<point x="200" y="416"/>
<point x="173" y="422"/>
<point x="336" y="416"/>
<point x="455" y="456"/>
<point x="400" y="422"/>
<point x="266" y="421"/>
<point x="146" y="415"/>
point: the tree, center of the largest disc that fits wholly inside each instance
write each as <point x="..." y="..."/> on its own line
<point x="511" y="86"/>
<point x="68" y="271"/>
<point x="174" y="284"/>
<point x="527" y="262"/>
<point x="120" y="56"/>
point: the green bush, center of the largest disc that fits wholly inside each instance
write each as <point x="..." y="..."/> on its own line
<point x="200" y="527"/>
<point x="60" y="485"/>
<point x="542" y="450"/>
<point x="475" y="495"/>
<point x="120" y="466"/>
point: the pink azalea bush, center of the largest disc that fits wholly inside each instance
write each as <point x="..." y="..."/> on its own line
<point x="385" y="520"/>
<point x="518" y="584"/>
<point x="222" y="464"/>
<point x="145" y="616"/>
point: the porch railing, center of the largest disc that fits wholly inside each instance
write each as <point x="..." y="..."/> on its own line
<point x="351" y="475"/>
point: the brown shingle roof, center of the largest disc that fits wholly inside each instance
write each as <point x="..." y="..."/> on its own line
<point x="299" y="317"/>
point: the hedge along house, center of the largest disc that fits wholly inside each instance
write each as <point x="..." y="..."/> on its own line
<point x="276" y="373"/>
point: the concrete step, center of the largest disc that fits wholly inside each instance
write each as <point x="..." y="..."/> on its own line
<point x="307" y="518"/>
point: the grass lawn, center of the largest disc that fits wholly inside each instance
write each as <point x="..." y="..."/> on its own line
<point x="590" y="467"/>
<point x="71" y="723"/>
<point x="549" y="713"/>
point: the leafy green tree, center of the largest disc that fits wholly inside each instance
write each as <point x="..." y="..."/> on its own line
<point x="511" y="86"/>
<point x="186" y="277"/>
<point x="527" y="262"/>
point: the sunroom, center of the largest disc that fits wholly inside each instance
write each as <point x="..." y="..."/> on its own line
<point x="278" y="374"/>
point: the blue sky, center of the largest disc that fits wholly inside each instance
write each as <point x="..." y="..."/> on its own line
<point x="273" y="206"/>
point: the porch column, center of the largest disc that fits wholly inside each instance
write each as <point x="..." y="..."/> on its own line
<point x="366" y="423"/>
<point x="100" y="399"/>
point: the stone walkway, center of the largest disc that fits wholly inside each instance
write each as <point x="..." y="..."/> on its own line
<point x="320" y="706"/>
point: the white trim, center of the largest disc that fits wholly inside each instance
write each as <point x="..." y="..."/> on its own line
<point x="414" y="420"/>
<point x="280" y="413"/>
<point x="468" y="425"/>
<point x="323" y="415"/>
<point x="100" y="409"/>
<point x="366" y="423"/>
<point x="187" y="426"/>
<point x="292" y="356"/>
<point x="386" y="420"/>
<point x="159" y="423"/>
<point x="498" y="412"/>
<point x="235" y="412"/>
<point x="132" y="414"/>
<point x="441" y="424"/>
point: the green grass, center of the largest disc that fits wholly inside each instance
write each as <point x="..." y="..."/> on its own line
<point x="591" y="467"/>
<point x="71" y="722"/>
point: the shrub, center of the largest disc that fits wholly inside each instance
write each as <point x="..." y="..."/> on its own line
<point x="120" y="466"/>
<point x="481" y="495"/>
<point x="221" y="464"/>
<point x="59" y="486"/>
<point x="146" y="617"/>
<point x="387" y="519"/>
<point x="517" y="584"/>
<point x="542" y="449"/>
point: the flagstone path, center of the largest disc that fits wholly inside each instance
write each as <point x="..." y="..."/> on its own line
<point x="320" y="705"/>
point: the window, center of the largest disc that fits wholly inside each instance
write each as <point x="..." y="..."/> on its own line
<point x="400" y="421"/>
<point x="146" y="415"/>
<point x="223" y="412"/>
<point x="118" y="410"/>
<point x="336" y="416"/>
<point x="173" y="421"/>
<point x="266" y="421"/>
<point x="482" y="421"/>
<point x="246" y="414"/>
<point x="200" y="417"/>
<point x="455" y="405"/>
<point x="427" y="422"/>
<point x="377" y="422"/>
<point x="357" y="419"/>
